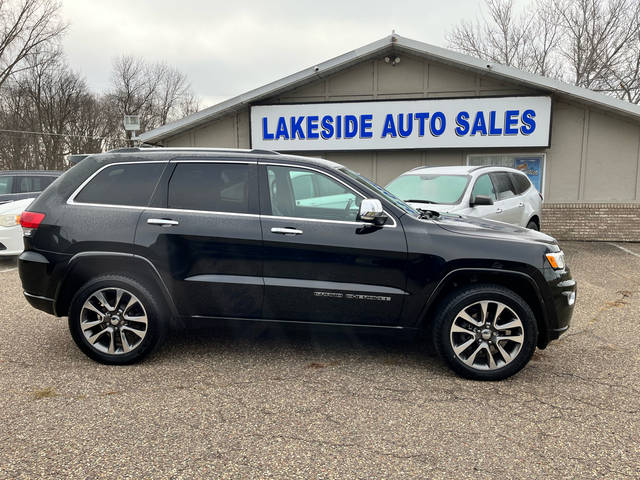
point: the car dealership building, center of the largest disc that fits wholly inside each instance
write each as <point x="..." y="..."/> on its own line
<point x="398" y="103"/>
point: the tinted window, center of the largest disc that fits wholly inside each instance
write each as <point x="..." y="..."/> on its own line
<point x="32" y="183"/>
<point x="307" y="194"/>
<point x="214" y="187"/>
<point x="484" y="186"/>
<point x="503" y="186"/>
<point x="128" y="184"/>
<point x="5" y="185"/>
<point x="520" y="182"/>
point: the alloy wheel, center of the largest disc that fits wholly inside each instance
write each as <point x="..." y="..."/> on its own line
<point x="114" y="321"/>
<point x="486" y="335"/>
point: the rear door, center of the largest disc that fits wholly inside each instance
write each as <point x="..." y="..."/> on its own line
<point x="203" y="234"/>
<point x="320" y="263"/>
<point x="507" y="205"/>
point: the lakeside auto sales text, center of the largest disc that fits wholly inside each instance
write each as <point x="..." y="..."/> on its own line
<point x="482" y="123"/>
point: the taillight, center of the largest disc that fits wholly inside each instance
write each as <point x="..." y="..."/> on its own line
<point x="31" y="219"/>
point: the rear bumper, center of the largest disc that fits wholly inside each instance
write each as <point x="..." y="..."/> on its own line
<point x="41" y="303"/>
<point x="35" y="274"/>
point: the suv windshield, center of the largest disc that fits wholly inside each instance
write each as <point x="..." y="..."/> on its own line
<point x="385" y="193"/>
<point x="430" y="188"/>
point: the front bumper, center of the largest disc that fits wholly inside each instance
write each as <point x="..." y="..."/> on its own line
<point x="563" y="297"/>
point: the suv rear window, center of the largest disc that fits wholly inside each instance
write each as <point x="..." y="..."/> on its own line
<point x="520" y="182"/>
<point x="123" y="184"/>
<point x="213" y="187"/>
<point x="503" y="185"/>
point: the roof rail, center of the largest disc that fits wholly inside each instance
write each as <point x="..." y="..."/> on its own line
<point x="193" y="149"/>
<point x="482" y="166"/>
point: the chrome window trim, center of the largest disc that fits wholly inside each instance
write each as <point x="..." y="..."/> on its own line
<point x="304" y="167"/>
<point x="71" y="199"/>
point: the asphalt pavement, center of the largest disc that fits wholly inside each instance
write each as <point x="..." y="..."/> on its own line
<point x="282" y="403"/>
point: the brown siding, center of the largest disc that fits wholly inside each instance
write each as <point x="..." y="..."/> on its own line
<point x="592" y="221"/>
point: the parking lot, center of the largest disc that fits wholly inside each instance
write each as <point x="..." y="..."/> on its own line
<point x="326" y="404"/>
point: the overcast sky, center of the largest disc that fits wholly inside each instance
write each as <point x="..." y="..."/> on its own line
<point x="227" y="48"/>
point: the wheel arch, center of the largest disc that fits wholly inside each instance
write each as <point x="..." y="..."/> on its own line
<point x="519" y="282"/>
<point x="85" y="266"/>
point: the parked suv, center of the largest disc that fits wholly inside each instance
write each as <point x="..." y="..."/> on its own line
<point x="129" y="243"/>
<point x="497" y="193"/>
<point x="18" y="185"/>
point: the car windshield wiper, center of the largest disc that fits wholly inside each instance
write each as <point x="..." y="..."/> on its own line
<point x="427" y="213"/>
<point x="423" y="201"/>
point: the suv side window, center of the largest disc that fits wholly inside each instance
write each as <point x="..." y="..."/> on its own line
<point x="213" y="187"/>
<point x="297" y="192"/>
<point x="504" y="187"/>
<point x="520" y="182"/>
<point x="123" y="184"/>
<point x="484" y="186"/>
<point x="6" y="182"/>
<point x="32" y="183"/>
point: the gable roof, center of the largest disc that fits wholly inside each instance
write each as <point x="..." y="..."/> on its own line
<point x="394" y="43"/>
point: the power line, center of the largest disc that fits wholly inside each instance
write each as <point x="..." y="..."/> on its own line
<point x="93" y="137"/>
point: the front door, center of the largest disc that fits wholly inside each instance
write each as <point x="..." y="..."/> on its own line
<point x="320" y="263"/>
<point x="203" y="235"/>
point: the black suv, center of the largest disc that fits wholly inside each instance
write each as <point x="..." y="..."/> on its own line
<point x="21" y="184"/>
<point x="128" y="243"/>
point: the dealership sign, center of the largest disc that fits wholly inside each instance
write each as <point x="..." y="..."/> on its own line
<point x="451" y="123"/>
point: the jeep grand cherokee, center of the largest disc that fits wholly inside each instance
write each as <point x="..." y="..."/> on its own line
<point x="128" y="243"/>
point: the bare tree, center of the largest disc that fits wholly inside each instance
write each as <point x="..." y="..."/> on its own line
<point x="597" y="36"/>
<point x="156" y="92"/>
<point x="590" y="43"/>
<point x="525" y="41"/>
<point x="47" y="112"/>
<point x="28" y="28"/>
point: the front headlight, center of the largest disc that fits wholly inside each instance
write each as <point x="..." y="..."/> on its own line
<point x="9" y="220"/>
<point x="556" y="260"/>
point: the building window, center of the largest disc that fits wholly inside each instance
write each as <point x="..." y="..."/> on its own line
<point x="530" y="164"/>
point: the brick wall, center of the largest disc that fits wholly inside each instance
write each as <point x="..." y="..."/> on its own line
<point x="592" y="221"/>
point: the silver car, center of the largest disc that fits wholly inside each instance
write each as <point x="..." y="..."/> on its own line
<point x="496" y="193"/>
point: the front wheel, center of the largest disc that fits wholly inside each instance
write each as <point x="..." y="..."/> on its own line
<point x="116" y="320"/>
<point x="532" y="225"/>
<point x="485" y="332"/>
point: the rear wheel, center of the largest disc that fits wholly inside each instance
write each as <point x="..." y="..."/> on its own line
<point x="533" y="225"/>
<point x="485" y="332"/>
<point x="116" y="320"/>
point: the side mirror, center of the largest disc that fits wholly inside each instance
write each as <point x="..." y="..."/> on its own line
<point x="477" y="200"/>
<point x="371" y="212"/>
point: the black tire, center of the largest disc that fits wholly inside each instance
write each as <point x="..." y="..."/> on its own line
<point x="467" y="297"/>
<point x="532" y="225"/>
<point x="156" y="327"/>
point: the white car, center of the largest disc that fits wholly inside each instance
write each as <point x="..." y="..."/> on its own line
<point x="497" y="193"/>
<point x="11" y="242"/>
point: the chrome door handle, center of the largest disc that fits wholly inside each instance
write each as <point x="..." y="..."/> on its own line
<point x="286" y="231"/>
<point x="165" y="222"/>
